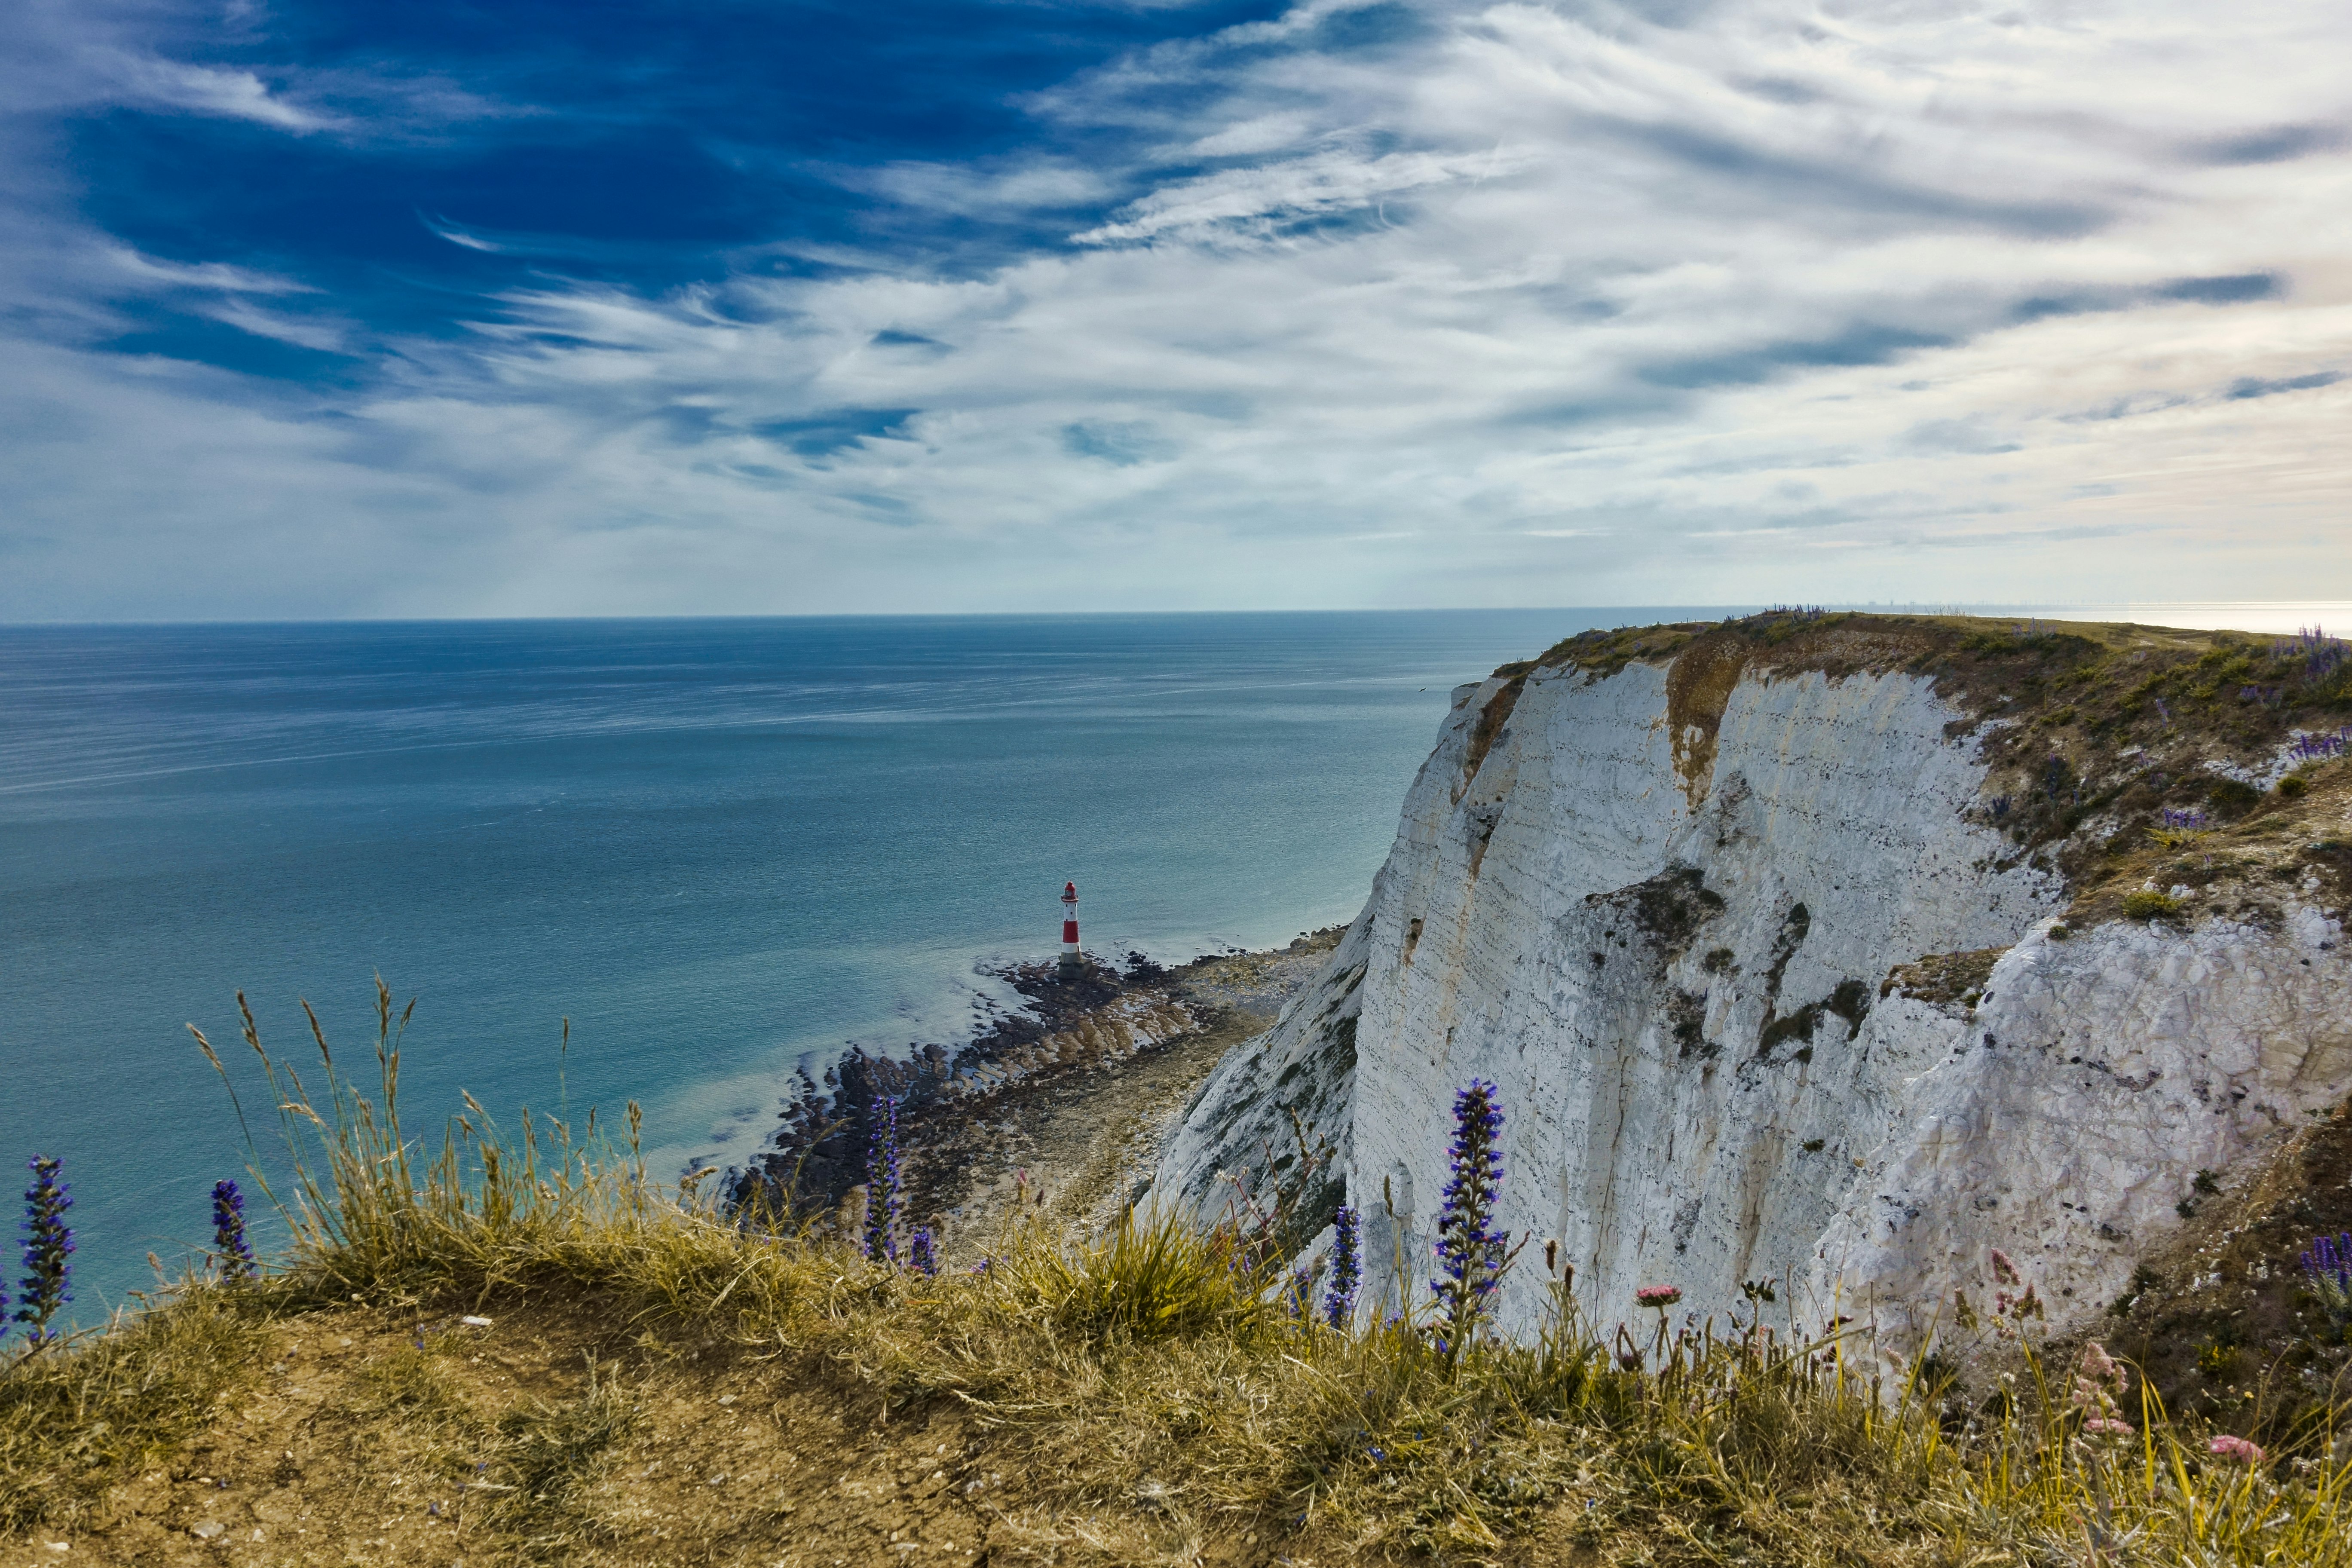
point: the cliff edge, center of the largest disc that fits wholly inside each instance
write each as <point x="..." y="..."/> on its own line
<point x="1834" y="951"/>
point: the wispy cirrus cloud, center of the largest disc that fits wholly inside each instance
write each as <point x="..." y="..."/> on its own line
<point x="1345" y="304"/>
<point x="205" y="89"/>
<point x="1268" y="198"/>
<point x="218" y="275"/>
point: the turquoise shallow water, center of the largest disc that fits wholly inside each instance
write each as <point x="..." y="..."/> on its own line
<point x="718" y="847"/>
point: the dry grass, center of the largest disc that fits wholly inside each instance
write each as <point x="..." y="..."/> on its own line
<point x="75" y="1420"/>
<point x="659" y="1384"/>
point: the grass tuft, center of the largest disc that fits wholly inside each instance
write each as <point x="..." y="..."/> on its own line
<point x="77" y="1417"/>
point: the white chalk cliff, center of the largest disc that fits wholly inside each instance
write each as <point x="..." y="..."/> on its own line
<point x="1659" y="905"/>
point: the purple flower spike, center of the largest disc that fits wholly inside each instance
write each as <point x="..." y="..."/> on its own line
<point x="1471" y="1254"/>
<point x="2330" y="1259"/>
<point x="229" y="1245"/>
<point x="1347" y="1268"/>
<point x="49" y="1243"/>
<point x="2327" y="1271"/>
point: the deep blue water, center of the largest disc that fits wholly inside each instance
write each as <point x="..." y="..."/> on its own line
<point x="716" y="846"/>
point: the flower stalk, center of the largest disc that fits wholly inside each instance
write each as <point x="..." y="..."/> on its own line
<point x="49" y="1245"/>
<point x="1347" y="1268"/>
<point x="1472" y="1255"/>
<point x="229" y="1243"/>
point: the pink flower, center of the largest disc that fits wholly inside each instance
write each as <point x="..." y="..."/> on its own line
<point x="2097" y="1364"/>
<point x="2004" y="1270"/>
<point x="1659" y="1295"/>
<point x="2228" y="1448"/>
<point x="2108" y="1427"/>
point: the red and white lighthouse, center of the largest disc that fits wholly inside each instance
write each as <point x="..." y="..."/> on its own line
<point x="1070" y="965"/>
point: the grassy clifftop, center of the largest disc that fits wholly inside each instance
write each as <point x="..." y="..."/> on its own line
<point x="524" y="1350"/>
<point x="2122" y="754"/>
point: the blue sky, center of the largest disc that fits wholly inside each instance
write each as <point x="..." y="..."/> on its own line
<point x="313" y="309"/>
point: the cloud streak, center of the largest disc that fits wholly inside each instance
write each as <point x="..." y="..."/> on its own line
<point x="1442" y="303"/>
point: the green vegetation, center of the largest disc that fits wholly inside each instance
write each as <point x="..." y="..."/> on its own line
<point x="1144" y="1397"/>
<point x="74" y="1419"/>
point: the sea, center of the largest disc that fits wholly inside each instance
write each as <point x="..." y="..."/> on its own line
<point x="721" y="849"/>
<point x="715" y="851"/>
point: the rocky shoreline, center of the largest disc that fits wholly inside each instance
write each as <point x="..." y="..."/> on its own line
<point x="1059" y="1106"/>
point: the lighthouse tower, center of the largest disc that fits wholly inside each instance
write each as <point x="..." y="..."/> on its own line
<point x="1071" y="964"/>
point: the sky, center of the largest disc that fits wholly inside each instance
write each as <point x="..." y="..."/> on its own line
<point x="314" y="309"/>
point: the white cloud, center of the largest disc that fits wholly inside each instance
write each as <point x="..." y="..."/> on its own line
<point x="1295" y="191"/>
<point x="308" y="332"/>
<point x="464" y="237"/>
<point x="1548" y="303"/>
<point x="68" y="56"/>
<point x="205" y="89"/>
<point x="966" y="188"/>
<point x="206" y="275"/>
<point x="1260" y="133"/>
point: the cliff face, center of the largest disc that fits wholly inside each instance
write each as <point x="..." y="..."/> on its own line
<point x="1760" y="959"/>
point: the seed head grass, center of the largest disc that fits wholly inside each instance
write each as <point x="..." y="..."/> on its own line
<point x="1143" y="1395"/>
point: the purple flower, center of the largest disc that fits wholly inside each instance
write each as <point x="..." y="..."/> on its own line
<point x="2332" y="1258"/>
<point x="49" y="1243"/>
<point x="1471" y="1254"/>
<point x="2327" y="1269"/>
<point x="919" y="1254"/>
<point x="1347" y="1268"/>
<point x="229" y="1244"/>
<point x="882" y="1182"/>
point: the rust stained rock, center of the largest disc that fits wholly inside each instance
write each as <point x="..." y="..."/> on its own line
<point x="1698" y="686"/>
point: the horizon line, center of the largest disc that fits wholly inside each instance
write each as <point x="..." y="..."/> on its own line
<point x="1864" y="606"/>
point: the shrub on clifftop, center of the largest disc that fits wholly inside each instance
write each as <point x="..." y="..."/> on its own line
<point x="2147" y="904"/>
